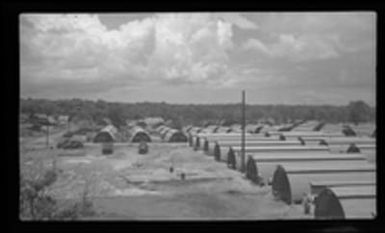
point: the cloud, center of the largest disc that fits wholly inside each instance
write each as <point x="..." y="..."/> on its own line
<point x="312" y="36"/>
<point x="66" y="54"/>
<point x="196" y="53"/>
<point x="256" y="45"/>
<point x="298" y="49"/>
<point x="238" y="20"/>
<point x="184" y="48"/>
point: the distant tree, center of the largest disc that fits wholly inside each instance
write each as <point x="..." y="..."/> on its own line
<point x="196" y="114"/>
<point x="138" y="116"/>
<point x="116" y="115"/>
<point x="177" y="123"/>
<point x="359" y="111"/>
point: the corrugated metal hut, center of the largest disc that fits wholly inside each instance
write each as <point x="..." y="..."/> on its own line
<point x="138" y="134"/>
<point x="260" y="167"/>
<point x="346" y="202"/>
<point x="107" y="134"/>
<point x="291" y="181"/>
<point x="234" y="154"/>
<point x="332" y="128"/>
<point x="364" y="129"/>
<point x="309" y="126"/>
<point x="164" y="131"/>
<point x="174" y="135"/>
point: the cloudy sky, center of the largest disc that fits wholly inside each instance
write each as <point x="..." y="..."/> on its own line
<point x="278" y="58"/>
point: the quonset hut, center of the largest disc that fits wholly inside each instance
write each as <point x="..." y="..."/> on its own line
<point x="346" y="202"/>
<point x="174" y="135"/>
<point x="138" y="134"/>
<point x="107" y="134"/>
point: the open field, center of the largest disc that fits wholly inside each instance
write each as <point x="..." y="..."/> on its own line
<point x="127" y="185"/>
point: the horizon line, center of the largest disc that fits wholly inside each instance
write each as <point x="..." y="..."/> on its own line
<point x="214" y="103"/>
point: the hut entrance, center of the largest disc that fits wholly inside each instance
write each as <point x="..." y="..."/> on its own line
<point x="206" y="145"/>
<point x="141" y="136"/>
<point x="281" y="185"/>
<point x="327" y="206"/>
<point x="178" y="137"/>
<point x="353" y="149"/>
<point x="103" y="137"/>
<point x="251" y="171"/>
<point x="197" y="143"/>
<point x="231" y="160"/>
<point x="217" y="152"/>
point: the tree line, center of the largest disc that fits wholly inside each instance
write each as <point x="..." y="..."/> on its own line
<point x="197" y="114"/>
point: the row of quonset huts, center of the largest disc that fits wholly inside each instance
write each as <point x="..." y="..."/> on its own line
<point x="332" y="173"/>
<point x="139" y="134"/>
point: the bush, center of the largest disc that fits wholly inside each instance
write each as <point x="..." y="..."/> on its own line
<point x="36" y="204"/>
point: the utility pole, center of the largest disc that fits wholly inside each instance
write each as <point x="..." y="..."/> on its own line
<point x="47" y="135"/>
<point x="68" y="124"/>
<point x="243" y="133"/>
<point x="47" y="125"/>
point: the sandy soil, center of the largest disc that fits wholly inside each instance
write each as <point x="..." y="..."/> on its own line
<point x="130" y="186"/>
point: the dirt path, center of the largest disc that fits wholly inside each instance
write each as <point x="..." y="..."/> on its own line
<point x="129" y="186"/>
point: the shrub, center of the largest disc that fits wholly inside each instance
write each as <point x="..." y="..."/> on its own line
<point x="37" y="204"/>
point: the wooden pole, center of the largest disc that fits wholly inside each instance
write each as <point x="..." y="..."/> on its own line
<point x="47" y="135"/>
<point x="68" y="125"/>
<point x="243" y="132"/>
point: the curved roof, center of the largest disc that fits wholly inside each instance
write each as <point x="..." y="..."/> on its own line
<point x="160" y="128"/>
<point x="174" y="135"/>
<point x="139" y="134"/>
<point x="163" y="131"/>
<point x="107" y="134"/>
<point x="187" y="128"/>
